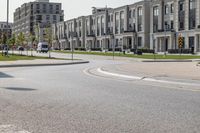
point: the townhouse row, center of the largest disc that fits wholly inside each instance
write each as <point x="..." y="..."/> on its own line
<point x="148" y="24"/>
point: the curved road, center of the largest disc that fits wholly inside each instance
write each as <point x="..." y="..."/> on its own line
<point x="71" y="99"/>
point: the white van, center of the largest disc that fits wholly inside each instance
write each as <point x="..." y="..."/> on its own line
<point x="42" y="47"/>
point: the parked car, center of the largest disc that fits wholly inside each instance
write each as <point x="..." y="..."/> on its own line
<point x="20" y="48"/>
<point x="42" y="47"/>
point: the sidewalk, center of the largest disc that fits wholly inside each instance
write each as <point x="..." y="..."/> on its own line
<point x="39" y="62"/>
<point x="160" y="70"/>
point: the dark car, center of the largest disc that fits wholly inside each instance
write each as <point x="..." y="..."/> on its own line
<point x="20" y="48"/>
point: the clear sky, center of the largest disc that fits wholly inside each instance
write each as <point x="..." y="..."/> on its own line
<point x="72" y="8"/>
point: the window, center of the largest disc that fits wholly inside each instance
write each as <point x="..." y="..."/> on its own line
<point x="130" y="13"/>
<point x="155" y="11"/>
<point x="116" y="23"/>
<point x="139" y="41"/>
<point x="47" y="17"/>
<point x="181" y="25"/>
<point x="172" y="24"/>
<point x="122" y="22"/>
<point x="57" y="7"/>
<point x="166" y="9"/>
<point x="37" y="6"/>
<point x="98" y="26"/>
<point x="102" y="25"/>
<point x="54" y="17"/>
<point x="139" y="27"/>
<point x="140" y="13"/>
<point x="172" y="8"/>
<point x="134" y="13"/>
<point x="192" y="4"/>
<point x="181" y="6"/>
<point x="111" y="17"/>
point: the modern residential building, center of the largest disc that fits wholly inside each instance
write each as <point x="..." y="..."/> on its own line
<point x="38" y="14"/>
<point x="149" y="24"/>
<point x="171" y="19"/>
<point x="6" y="29"/>
<point x="124" y="28"/>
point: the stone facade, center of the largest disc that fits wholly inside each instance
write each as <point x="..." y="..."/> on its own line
<point x="148" y="24"/>
<point x="122" y="28"/>
<point x="171" y="19"/>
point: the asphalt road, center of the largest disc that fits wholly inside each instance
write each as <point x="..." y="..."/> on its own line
<point x="72" y="99"/>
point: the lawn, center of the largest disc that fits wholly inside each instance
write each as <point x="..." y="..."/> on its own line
<point x="22" y="57"/>
<point x="144" y="56"/>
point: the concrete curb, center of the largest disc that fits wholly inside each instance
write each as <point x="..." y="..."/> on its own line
<point x="168" y="61"/>
<point x="146" y="78"/>
<point x="44" y="64"/>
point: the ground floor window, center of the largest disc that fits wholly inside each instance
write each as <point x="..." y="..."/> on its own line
<point x="139" y="41"/>
<point x="98" y="44"/>
<point x="191" y="42"/>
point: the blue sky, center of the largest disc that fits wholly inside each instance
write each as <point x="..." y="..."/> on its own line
<point x="72" y="8"/>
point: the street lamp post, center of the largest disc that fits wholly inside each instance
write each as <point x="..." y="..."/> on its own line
<point x="7" y="24"/>
<point x="153" y="47"/>
<point x="136" y="43"/>
<point x="73" y="34"/>
<point x="7" y="17"/>
<point x="72" y="45"/>
<point x="166" y="27"/>
<point x="113" y="45"/>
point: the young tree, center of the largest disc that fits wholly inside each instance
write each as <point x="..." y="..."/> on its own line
<point x="12" y="42"/>
<point x="48" y="38"/>
<point x="4" y="39"/>
<point x="32" y="39"/>
<point x="21" y="39"/>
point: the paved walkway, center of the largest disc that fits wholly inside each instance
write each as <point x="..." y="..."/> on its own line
<point x="179" y="70"/>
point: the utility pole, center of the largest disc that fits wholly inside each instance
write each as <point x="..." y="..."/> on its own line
<point x="7" y="24"/>
<point x="7" y="17"/>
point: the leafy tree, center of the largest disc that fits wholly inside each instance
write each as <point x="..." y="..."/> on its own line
<point x="21" y="39"/>
<point x="3" y="41"/>
<point x="48" y="38"/>
<point x="32" y="39"/>
<point x="12" y="42"/>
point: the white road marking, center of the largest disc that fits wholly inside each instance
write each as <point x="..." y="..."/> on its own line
<point x="11" y="129"/>
<point x="146" y="79"/>
<point x="118" y="75"/>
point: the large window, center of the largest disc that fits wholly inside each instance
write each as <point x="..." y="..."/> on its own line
<point x="155" y="11"/>
<point x="133" y="13"/>
<point x="181" y="6"/>
<point x="166" y="9"/>
<point x="116" y="23"/>
<point x="192" y="4"/>
<point x="98" y="26"/>
<point x="139" y="41"/>
<point x="121" y="22"/>
<point x="102" y="25"/>
<point x="130" y="14"/>
<point x="172" y="8"/>
<point x="140" y="13"/>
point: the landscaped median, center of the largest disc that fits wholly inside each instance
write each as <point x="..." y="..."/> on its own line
<point x="131" y="55"/>
<point x="30" y="61"/>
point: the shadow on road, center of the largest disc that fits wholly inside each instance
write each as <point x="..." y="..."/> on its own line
<point x="3" y="75"/>
<point x="20" y="89"/>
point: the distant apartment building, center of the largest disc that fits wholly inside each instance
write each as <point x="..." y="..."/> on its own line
<point x="149" y="24"/>
<point x="171" y="19"/>
<point x="6" y="29"/>
<point x="40" y="14"/>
